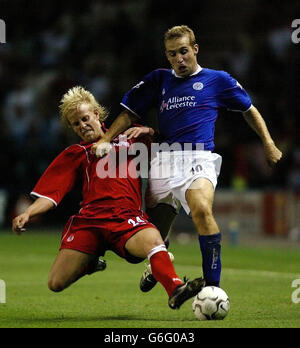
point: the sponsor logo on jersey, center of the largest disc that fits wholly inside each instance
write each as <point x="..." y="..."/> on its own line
<point x="178" y="103"/>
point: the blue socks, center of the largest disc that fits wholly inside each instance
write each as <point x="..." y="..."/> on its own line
<point x="210" y="246"/>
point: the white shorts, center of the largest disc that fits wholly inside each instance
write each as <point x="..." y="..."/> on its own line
<point x="172" y="173"/>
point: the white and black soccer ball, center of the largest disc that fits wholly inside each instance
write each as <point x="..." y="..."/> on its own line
<point x="211" y="303"/>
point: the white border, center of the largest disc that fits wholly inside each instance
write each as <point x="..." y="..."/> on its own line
<point x="41" y="196"/>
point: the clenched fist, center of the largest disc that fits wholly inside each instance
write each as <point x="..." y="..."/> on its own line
<point x="101" y="148"/>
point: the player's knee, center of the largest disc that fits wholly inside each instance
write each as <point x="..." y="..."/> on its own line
<point x="55" y="285"/>
<point x="153" y="241"/>
<point x="202" y="211"/>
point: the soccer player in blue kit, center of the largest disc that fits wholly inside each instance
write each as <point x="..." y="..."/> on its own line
<point x="187" y="98"/>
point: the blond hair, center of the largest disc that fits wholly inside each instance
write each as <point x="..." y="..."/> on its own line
<point x="179" y="31"/>
<point x="75" y="97"/>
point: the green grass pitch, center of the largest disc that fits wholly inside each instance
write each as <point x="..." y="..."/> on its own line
<point x="258" y="281"/>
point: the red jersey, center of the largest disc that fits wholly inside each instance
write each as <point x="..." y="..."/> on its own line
<point x="99" y="193"/>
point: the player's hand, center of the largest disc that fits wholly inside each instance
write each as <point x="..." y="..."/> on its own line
<point x="272" y="153"/>
<point x="135" y="132"/>
<point x="19" y="222"/>
<point x="101" y="148"/>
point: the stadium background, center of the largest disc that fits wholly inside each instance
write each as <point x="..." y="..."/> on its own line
<point x="108" y="46"/>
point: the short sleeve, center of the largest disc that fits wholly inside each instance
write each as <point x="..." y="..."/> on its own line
<point x="143" y="96"/>
<point x="60" y="176"/>
<point x="231" y="94"/>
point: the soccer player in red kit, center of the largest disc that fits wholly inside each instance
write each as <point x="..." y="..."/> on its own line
<point x="111" y="215"/>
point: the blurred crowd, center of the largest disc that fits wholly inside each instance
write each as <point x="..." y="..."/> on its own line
<point x="108" y="46"/>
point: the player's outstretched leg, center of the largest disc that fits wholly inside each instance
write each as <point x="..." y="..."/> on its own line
<point x="149" y="242"/>
<point x="164" y="226"/>
<point x="96" y="265"/>
<point x="147" y="281"/>
<point x="163" y="270"/>
<point x="69" y="266"/>
<point x="185" y="291"/>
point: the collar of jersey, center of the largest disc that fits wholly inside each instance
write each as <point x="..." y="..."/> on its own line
<point x="180" y="77"/>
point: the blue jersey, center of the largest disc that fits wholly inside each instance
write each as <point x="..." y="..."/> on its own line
<point x="187" y="107"/>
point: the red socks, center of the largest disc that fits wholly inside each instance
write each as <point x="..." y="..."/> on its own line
<point x="163" y="270"/>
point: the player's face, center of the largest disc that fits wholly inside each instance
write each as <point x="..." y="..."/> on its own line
<point x="182" y="55"/>
<point x="85" y="123"/>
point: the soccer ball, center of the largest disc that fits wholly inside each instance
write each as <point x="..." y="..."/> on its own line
<point x="211" y="303"/>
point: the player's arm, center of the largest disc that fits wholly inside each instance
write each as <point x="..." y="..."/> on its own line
<point x="136" y="132"/>
<point x="40" y="206"/>
<point x="257" y="123"/>
<point x="120" y="124"/>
